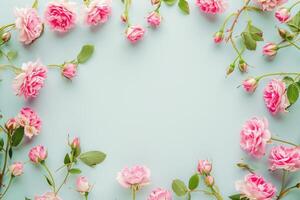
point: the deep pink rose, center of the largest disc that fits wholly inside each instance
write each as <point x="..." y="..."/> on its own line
<point x="97" y="12"/>
<point x="154" y="19"/>
<point x="275" y="97"/>
<point x="250" y="84"/>
<point x="135" y="33"/>
<point x="287" y="158"/>
<point x="69" y="70"/>
<point x="270" y="49"/>
<point x="269" y="5"/>
<point x="82" y="184"/>
<point x="16" y="169"/>
<point x="254" y="136"/>
<point x="160" y="194"/>
<point x="29" y="82"/>
<point x="218" y="37"/>
<point x="255" y="187"/>
<point x="212" y="6"/>
<point x="137" y="175"/>
<point x="283" y="14"/>
<point x="204" y="166"/>
<point x="37" y="154"/>
<point x="48" y="196"/>
<point x="31" y="122"/>
<point x="29" y="24"/>
<point x="61" y="16"/>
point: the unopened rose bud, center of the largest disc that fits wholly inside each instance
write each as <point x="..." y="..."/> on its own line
<point x="270" y="49"/>
<point x="12" y="124"/>
<point x="16" y="169"/>
<point x="298" y="185"/>
<point x="230" y="69"/>
<point x="250" y="84"/>
<point x="155" y="2"/>
<point x="209" y="181"/>
<point x="284" y="34"/>
<point x="69" y="70"/>
<point x="82" y="185"/>
<point x="124" y="18"/>
<point x="218" y="37"/>
<point x="6" y="37"/>
<point x="204" y="166"/>
<point x="243" y="66"/>
<point x="75" y="143"/>
<point x="282" y="15"/>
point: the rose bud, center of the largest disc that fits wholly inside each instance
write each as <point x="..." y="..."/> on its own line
<point x="204" y="166"/>
<point x="16" y="169"/>
<point x="154" y="19"/>
<point x="124" y="18"/>
<point x="135" y="33"/>
<point x="250" y="84"/>
<point x="282" y="15"/>
<point x="230" y="69"/>
<point x="155" y="2"/>
<point x="243" y="66"/>
<point x="69" y="70"/>
<point x="298" y="185"/>
<point x="75" y="143"/>
<point x="284" y="34"/>
<point x="12" y="124"/>
<point x="270" y="49"/>
<point x="209" y="181"/>
<point x="218" y="37"/>
<point x="6" y="37"/>
<point x="38" y="154"/>
<point x="82" y="185"/>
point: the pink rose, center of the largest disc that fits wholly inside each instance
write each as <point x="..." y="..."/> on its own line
<point x="275" y="96"/>
<point x="218" y="37"/>
<point x="250" y="84"/>
<point x="255" y="187"/>
<point x="160" y="194"/>
<point x="48" y="196"/>
<point x="269" y="5"/>
<point x="31" y="122"/>
<point x="12" y="124"/>
<point x="29" y="24"/>
<point x="61" y="16"/>
<point x="204" y="166"/>
<point x="75" y="143"/>
<point x="82" y="184"/>
<point x="16" y="169"/>
<point x="287" y="158"/>
<point x="134" y="33"/>
<point x="283" y="14"/>
<point x="254" y="136"/>
<point x="212" y="6"/>
<point x="270" y="49"/>
<point x="69" y="70"/>
<point x="38" y="154"/>
<point x="137" y="175"/>
<point x="97" y="12"/>
<point x="154" y="19"/>
<point x="29" y="82"/>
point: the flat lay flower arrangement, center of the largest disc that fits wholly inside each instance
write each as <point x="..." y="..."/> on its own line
<point x="280" y="95"/>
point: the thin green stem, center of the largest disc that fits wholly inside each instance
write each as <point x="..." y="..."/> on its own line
<point x="55" y="65"/>
<point x="7" y="26"/>
<point x="226" y="20"/>
<point x="126" y="11"/>
<point x="284" y="176"/>
<point x="293" y="44"/>
<point x="7" y="187"/>
<point x="13" y="68"/>
<point x="278" y="74"/>
<point x="158" y="7"/>
<point x="216" y="193"/>
<point x="5" y="160"/>
<point x="133" y="190"/>
<point x="293" y="5"/>
<point x="283" y="141"/>
<point x="65" y="179"/>
<point x="50" y="175"/>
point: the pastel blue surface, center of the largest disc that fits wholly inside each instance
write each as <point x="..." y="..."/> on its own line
<point x="164" y="102"/>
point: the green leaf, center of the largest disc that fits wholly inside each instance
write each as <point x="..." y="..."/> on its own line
<point x="170" y="2"/>
<point x="255" y="32"/>
<point x="235" y="197"/>
<point x="10" y="153"/>
<point x="179" y="187"/>
<point x="35" y="4"/>
<point x="75" y="171"/>
<point x="17" y="136"/>
<point x="92" y="158"/>
<point x="292" y="93"/>
<point x="184" y="6"/>
<point x="67" y="159"/>
<point x="26" y="198"/>
<point x="85" y="53"/>
<point x="248" y="41"/>
<point x="48" y="181"/>
<point x="294" y="23"/>
<point x="12" y="55"/>
<point x="194" y="182"/>
<point x="288" y="80"/>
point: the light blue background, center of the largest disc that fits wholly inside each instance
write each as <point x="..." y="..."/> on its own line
<point x="164" y="102"/>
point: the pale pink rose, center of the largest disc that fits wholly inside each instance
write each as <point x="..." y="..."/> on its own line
<point x="283" y="15"/>
<point x="275" y="96"/>
<point x="209" y="180"/>
<point x="204" y="166"/>
<point x="12" y="124"/>
<point x="137" y="175"/>
<point x="69" y="70"/>
<point x="29" y="82"/>
<point x="97" y="12"/>
<point x="212" y="6"/>
<point x="38" y="154"/>
<point x="48" y="196"/>
<point x="135" y="33"/>
<point x="270" y="49"/>
<point x="29" y="24"/>
<point x="287" y="158"/>
<point x="250" y="84"/>
<point x="75" y="143"/>
<point x="255" y="187"/>
<point x="160" y="194"/>
<point x="254" y="136"/>
<point x="16" y="169"/>
<point x="31" y="122"/>
<point x="82" y="184"/>
<point x="61" y="16"/>
<point x="154" y="19"/>
<point x="218" y="37"/>
<point x="269" y="5"/>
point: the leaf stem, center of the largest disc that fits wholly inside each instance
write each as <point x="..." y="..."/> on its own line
<point x="278" y="74"/>
<point x="13" y="68"/>
<point x="2" y="28"/>
<point x="65" y="179"/>
<point x="5" y="160"/>
<point x="50" y="174"/>
<point x="283" y="141"/>
<point x="133" y="190"/>
<point x="7" y="187"/>
<point x="293" y="5"/>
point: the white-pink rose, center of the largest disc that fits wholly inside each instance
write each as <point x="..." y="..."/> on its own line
<point x="204" y="166"/>
<point x="31" y="122"/>
<point x="212" y="6"/>
<point x="154" y="19"/>
<point x="97" y="12"/>
<point x="135" y="33"/>
<point x="16" y="169"/>
<point x="250" y="84"/>
<point x="37" y="154"/>
<point x="160" y="194"/>
<point x="269" y="5"/>
<point x="137" y="175"/>
<point x="48" y="196"/>
<point x="82" y="184"/>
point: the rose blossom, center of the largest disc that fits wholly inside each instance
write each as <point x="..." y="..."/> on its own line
<point x="160" y="194"/>
<point x="283" y="14"/>
<point x="250" y="84"/>
<point x="82" y="184"/>
<point x="275" y="96"/>
<point x="212" y="6"/>
<point x="48" y="196"/>
<point x="255" y="187"/>
<point x="254" y="136"/>
<point x="69" y="70"/>
<point x="29" y="24"/>
<point x="137" y="175"/>
<point x="135" y="33"/>
<point x="97" y="12"/>
<point x="29" y="82"/>
<point x="270" y="49"/>
<point x="12" y="124"/>
<point x="287" y="158"/>
<point x="37" y="154"/>
<point x="16" y="169"/>
<point x="31" y="122"/>
<point x="269" y="5"/>
<point x="154" y="19"/>
<point x="61" y="16"/>
<point x="204" y="166"/>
